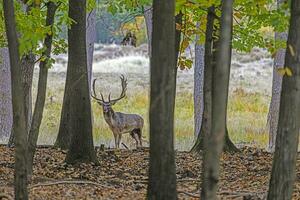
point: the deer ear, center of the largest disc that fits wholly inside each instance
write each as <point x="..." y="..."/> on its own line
<point x="99" y="102"/>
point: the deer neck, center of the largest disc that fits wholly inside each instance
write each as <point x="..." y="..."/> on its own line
<point x="110" y="117"/>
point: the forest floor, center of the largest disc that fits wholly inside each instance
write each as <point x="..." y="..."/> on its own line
<point x="122" y="174"/>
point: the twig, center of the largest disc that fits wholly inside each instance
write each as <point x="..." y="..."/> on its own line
<point x="189" y="194"/>
<point x="145" y="181"/>
<point x="67" y="182"/>
<point x="125" y="146"/>
<point x="241" y="194"/>
<point x="186" y="180"/>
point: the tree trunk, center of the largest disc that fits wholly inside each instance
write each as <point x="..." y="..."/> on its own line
<point x="41" y="93"/>
<point x="228" y="145"/>
<point x="148" y="13"/>
<point x="27" y="68"/>
<point x="207" y="84"/>
<point x="198" y="85"/>
<point x="18" y="103"/>
<point x="64" y="135"/>
<point x="284" y="163"/>
<point x="6" y="116"/>
<point x="162" y="178"/>
<point x="276" y="89"/>
<point x="213" y="143"/>
<point x="90" y="39"/>
<point x="81" y="147"/>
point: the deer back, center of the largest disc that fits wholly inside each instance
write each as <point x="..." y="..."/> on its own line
<point x="127" y="122"/>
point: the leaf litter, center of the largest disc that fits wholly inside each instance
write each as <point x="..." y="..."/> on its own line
<point x="122" y="174"/>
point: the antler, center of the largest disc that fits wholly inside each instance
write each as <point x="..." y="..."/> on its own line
<point x="94" y="95"/>
<point x="123" y="93"/>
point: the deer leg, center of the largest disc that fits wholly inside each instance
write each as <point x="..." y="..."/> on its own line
<point x="140" y="137"/>
<point x="119" y="139"/>
<point x="135" y="136"/>
<point x="116" y="140"/>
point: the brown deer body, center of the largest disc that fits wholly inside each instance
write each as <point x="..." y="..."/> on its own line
<point x="120" y="123"/>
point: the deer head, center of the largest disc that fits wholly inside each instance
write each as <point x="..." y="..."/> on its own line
<point x="106" y="105"/>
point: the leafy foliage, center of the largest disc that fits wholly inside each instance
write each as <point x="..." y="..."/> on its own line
<point x="30" y="18"/>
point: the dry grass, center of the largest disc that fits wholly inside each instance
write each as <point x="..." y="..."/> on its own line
<point x="247" y="113"/>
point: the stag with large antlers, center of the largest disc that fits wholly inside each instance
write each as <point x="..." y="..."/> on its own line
<point x="118" y="122"/>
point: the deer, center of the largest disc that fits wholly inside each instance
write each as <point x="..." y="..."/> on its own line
<point x="120" y="123"/>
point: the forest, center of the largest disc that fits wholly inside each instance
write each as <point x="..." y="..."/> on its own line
<point x="140" y="99"/>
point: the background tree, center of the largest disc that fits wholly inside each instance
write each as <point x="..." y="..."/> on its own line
<point x="42" y="85"/>
<point x="162" y="178"/>
<point x="285" y="156"/>
<point x="81" y="147"/>
<point x="213" y="142"/>
<point x="148" y="13"/>
<point x="276" y="87"/>
<point x="6" y="117"/>
<point x="210" y="60"/>
<point x="198" y="84"/>
<point x="30" y="18"/>
<point x="27" y="66"/>
<point x="207" y="81"/>
<point x="19" y="127"/>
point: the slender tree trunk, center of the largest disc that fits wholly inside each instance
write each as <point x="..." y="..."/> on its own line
<point x="198" y="85"/>
<point x="27" y="68"/>
<point x="41" y="94"/>
<point x="178" y="20"/>
<point x="6" y="115"/>
<point x="148" y="13"/>
<point x="162" y="178"/>
<point x="90" y="39"/>
<point x="207" y="84"/>
<point x="18" y="105"/>
<point x="213" y="143"/>
<point x="64" y="135"/>
<point x="276" y="89"/>
<point x="81" y="147"/>
<point x="284" y="163"/>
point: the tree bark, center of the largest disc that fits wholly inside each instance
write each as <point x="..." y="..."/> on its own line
<point x="207" y="84"/>
<point x="90" y="39"/>
<point x="213" y="143"/>
<point x="148" y="13"/>
<point x="228" y="145"/>
<point x="284" y="163"/>
<point x="27" y="68"/>
<point x="276" y="89"/>
<point x="64" y="135"/>
<point x="81" y="147"/>
<point x="198" y="85"/>
<point x="162" y="178"/>
<point x="6" y="115"/>
<point x="41" y="93"/>
<point x="18" y="103"/>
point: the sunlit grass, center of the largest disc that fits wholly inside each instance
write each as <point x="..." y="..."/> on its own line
<point x="247" y="114"/>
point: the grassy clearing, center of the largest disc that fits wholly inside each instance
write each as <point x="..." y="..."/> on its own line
<point x="247" y="114"/>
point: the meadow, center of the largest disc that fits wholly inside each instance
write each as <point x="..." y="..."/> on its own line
<point x="247" y="112"/>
